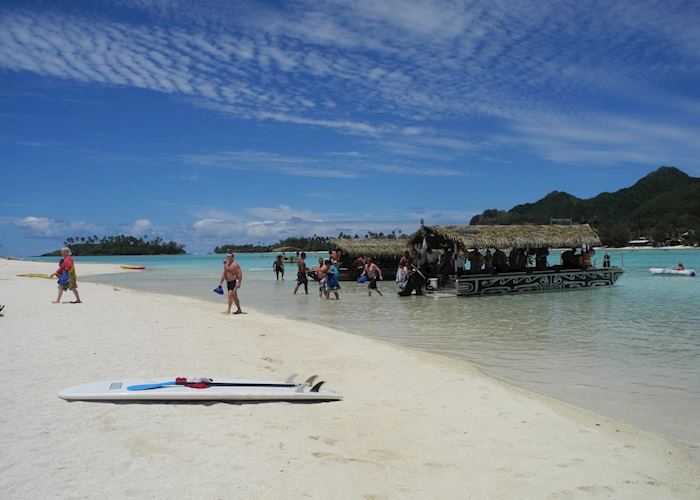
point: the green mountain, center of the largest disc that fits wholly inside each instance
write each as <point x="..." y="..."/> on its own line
<point x="662" y="205"/>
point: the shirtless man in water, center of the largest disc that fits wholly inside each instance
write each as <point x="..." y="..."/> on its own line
<point x="302" y="279"/>
<point x="373" y="272"/>
<point x="234" y="277"/>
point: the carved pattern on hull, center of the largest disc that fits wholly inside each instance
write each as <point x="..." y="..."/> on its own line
<point x="536" y="281"/>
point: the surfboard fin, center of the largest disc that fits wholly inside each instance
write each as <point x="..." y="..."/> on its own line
<point x="318" y="386"/>
<point x="311" y="379"/>
<point x="290" y="379"/>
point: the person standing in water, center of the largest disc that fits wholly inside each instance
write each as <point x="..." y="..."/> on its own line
<point x="70" y="281"/>
<point x="332" y="280"/>
<point x="321" y="271"/>
<point x="302" y="278"/>
<point x="373" y="272"/>
<point x="234" y="277"/>
<point x="278" y="266"/>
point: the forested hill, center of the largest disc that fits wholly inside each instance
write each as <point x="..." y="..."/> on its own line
<point x="662" y="205"/>
<point x="120" y="245"/>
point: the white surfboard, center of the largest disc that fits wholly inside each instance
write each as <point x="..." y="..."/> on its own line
<point x="239" y="390"/>
<point x="659" y="271"/>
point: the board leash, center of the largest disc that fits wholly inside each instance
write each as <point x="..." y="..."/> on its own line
<point x="203" y="385"/>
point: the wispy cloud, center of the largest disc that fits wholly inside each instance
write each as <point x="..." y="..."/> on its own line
<point x="396" y="72"/>
<point x="329" y="165"/>
<point x="43" y="227"/>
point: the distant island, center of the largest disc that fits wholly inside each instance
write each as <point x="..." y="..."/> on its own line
<point x="119" y="245"/>
<point x="663" y="206"/>
<point x="313" y="243"/>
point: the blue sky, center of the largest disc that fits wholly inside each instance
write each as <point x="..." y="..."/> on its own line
<point x="212" y="122"/>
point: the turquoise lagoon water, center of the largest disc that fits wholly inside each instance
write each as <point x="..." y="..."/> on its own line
<point x="630" y="351"/>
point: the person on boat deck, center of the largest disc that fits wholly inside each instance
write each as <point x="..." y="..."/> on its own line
<point x="415" y="257"/>
<point x="679" y="267"/>
<point x="488" y="261"/>
<point x="474" y="261"/>
<point x="517" y="259"/>
<point x="460" y="260"/>
<point x="447" y="267"/>
<point x="405" y="260"/>
<point x="404" y="269"/>
<point x="568" y="259"/>
<point x="500" y="265"/>
<point x="541" y="258"/>
<point x="586" y="258"/>
<point x="606" y="260"/>
<point x="431" y="259"/>
<point x="278" y="266"/>
<point x="67" y="266"/>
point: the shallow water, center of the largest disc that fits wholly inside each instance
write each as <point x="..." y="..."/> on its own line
<point x="630" y="351"/>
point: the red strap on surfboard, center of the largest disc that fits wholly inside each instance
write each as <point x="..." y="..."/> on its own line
<point x="193" y="385"/>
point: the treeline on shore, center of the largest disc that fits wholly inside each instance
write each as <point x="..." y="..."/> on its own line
<point x="120" y="245"/>
<point x="663" y="206"/>
<point x="313" y="243"/>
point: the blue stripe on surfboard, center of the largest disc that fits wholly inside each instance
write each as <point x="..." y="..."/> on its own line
<point x="145" y="387"/>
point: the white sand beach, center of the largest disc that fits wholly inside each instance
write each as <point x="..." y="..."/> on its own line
<point x="411" y="425"/>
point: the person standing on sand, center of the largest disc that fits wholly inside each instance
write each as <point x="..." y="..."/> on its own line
<point x="67" y="267"/>
<point x="302" y="278"/>
<point x="373" y="272"/>
<point x="234" y="277"/>
<point x="278" y="266"/>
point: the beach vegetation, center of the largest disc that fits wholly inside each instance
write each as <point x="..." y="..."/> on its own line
<point x="120" y="245"/>
<point x="314" y="243"/>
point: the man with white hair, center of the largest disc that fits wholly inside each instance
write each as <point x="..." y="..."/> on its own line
<point x="67" y="279"/>
<point x="233" y="276"/>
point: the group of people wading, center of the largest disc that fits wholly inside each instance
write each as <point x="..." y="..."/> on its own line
<point x="327" y="274"/>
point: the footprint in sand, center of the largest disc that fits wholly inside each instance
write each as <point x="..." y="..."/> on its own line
<point x="325" y="440"/>
<point x="273" y="361"/>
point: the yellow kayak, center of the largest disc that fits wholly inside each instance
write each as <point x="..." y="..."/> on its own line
<point x="133" y="268"/>
<point x="36" y="275"/>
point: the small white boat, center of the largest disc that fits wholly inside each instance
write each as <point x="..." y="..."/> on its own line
<point x="660" y="271"/>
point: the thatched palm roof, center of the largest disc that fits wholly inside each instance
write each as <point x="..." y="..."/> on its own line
<point x="501" y="236"/>
<point x="380" y="248"/>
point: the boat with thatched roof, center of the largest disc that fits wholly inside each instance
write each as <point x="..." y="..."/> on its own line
<point x="386" y="253"/>
<point x="575" y="272"/>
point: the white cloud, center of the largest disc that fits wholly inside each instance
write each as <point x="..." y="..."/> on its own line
<point x="270" y="224"/>
<point x="141" y="227"/>
<point x="44" y="227"/>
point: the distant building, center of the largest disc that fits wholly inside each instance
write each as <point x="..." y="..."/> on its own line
<point x="641" y="242"/>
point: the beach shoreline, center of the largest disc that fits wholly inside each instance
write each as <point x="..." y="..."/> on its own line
<point x="413" y="424"/>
